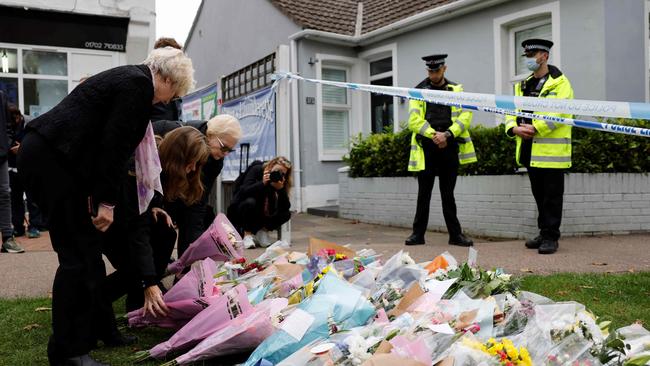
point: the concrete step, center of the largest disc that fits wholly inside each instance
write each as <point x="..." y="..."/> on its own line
<point x="324" y="211"/>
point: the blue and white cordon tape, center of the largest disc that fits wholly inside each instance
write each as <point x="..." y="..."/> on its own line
<point x="508" y="105"/>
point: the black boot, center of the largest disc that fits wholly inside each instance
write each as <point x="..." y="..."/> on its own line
<point x="534" y="243"/>
<point x="414" y="239"/>
<point x="548" y="246"/>
<point x="460" y="240"/>
<point x="84" y="360"/>
<point x="117" y="339"/>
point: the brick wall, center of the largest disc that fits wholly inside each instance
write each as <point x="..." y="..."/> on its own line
<point x="503" y="206"/>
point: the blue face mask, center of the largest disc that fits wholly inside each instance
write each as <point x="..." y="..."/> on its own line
<point x="531" y="64"/>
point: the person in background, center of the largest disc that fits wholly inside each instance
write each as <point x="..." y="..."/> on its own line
<point x="543" y="147"/>
<point x="18" y="202"/>
<point x="9" y="243"/>
<point x="222" y="134"/>
<point x="166" y="111"/>
<point x="141" y="244"/>
<point x="72" y="160"/>
<point x="440" y="142"/>
<point x="261" y="200"/>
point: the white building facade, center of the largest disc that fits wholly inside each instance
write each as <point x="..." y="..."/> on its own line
<point x="47" y="47"/>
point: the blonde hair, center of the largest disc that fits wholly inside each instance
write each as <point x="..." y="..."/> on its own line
<point x="173" y="65"/>
<point x="281" y="160"/>
<point x="179" y="148"/>
<point x="224" y="124"/>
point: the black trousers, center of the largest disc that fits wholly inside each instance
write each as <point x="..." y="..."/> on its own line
<point x="191" y="221"/>
<point x="548" y="189"/>
<point x="18" y="204"/>
<point x="79" y="314"/>
<point x="121" y="252"/>
<point x="444" y="164"/>
<point x="248" y="215"/>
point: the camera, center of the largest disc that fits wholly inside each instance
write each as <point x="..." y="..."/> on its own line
<point x="276" y="176"/>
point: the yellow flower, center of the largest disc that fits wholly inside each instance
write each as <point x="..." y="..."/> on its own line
<point x="525" y="357"/>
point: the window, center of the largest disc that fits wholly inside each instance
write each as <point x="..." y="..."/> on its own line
<point x="510" y="30"/>
<point x="381" y="106"/>
<point x="36" y="78"/>
<point x="537" y="29"/>
<point x="335" y="112"/>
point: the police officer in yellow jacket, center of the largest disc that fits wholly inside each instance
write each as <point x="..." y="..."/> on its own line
<point x="439" y="143"/>
<point x="544" y="148"/>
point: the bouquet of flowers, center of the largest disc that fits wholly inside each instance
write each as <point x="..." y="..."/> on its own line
<point x="220" y="242"/>
<point x="504" y="351"/>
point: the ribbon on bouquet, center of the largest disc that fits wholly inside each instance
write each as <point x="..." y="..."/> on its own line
<point x="509" y="105"/>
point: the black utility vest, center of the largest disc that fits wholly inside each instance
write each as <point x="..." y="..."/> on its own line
<point x="438" y="116"/>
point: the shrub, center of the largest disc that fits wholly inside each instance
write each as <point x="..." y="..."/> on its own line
<point x="387" y="154"/>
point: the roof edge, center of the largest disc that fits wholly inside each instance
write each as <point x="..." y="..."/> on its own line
<point x="191" y="32"/>
<point x="431" y="16"/>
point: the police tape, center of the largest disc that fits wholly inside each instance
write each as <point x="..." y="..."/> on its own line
<point x="507" y="105"/>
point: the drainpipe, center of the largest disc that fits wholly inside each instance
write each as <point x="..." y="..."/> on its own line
<point x="295" y="126"/>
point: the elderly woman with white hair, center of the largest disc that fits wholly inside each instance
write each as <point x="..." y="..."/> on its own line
<point x="223" y="133"/>
<point x="71" y="161"/>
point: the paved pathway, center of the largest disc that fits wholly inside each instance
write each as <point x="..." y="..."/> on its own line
<point x="30" y="274"/>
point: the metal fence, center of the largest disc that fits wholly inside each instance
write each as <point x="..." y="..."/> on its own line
<point x="248" y="79"/>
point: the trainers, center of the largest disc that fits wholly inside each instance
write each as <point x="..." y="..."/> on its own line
<point x="263" y="238"/>
<point x="33" y="233"/>
<point x="11" y="246"/>
<point x="249" y="242"/>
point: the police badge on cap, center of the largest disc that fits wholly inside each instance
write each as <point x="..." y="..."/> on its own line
<point x="434" y="62"/>
<point x="535" y="44"/>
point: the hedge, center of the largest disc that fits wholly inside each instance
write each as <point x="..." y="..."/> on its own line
<point x="387" y="154"/>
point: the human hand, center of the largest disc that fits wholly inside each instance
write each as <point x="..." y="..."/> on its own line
<point x="104" y="218"/>
<point x="14" y="149"/>
<point x="266" y="178"/>
<point x="439" y="138"/>
<point x="153" y="302"/>
<point x="526" y="132"/>
<point x="159" y="212"/>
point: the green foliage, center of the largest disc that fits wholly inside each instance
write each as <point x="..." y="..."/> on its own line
<point x="387" y="154"/>
<point x="602" y="152"/>
<point x="380" y="155"/>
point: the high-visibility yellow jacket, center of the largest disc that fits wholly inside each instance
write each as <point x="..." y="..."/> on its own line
<point x="551" y="146"/>
<point x="461" y="120"/>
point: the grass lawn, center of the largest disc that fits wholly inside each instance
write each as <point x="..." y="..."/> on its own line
<point x="623" y="298"/>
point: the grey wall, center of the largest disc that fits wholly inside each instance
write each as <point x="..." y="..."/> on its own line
<point x="231" y="34"/>
<point x="469" y="41"/>
<point x="502" y="206"/>
<point x="625" y="50"/>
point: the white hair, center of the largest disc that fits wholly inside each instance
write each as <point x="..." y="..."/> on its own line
<point x="173" y="65"/>
<point x="224" y="124"/>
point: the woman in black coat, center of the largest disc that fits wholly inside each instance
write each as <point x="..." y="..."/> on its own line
<point x="141" y="244"/>
<point x="71" y="161"/>
<point x="261" y="200"/>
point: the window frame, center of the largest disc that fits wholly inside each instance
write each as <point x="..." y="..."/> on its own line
<point x="504" y="51"/>
<point x="513" y="48"/>
<point x="376" y="54"/>
<point x="338" y="63"/>
<point x="71" y="83"/>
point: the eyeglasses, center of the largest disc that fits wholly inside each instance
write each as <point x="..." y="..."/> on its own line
<point x="224" y="148"/>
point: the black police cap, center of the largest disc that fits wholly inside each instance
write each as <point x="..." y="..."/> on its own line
<point x="434" y="62"/>
<point x="535" y="44"/>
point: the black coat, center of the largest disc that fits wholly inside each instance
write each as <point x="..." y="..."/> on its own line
<point x="252" y="186"/>
<point x="98" y="125"/>
<point x="5" y="127"/>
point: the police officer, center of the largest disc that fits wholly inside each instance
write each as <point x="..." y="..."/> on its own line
<point x="544" y="148"/>
<point x="439" y="143"/>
